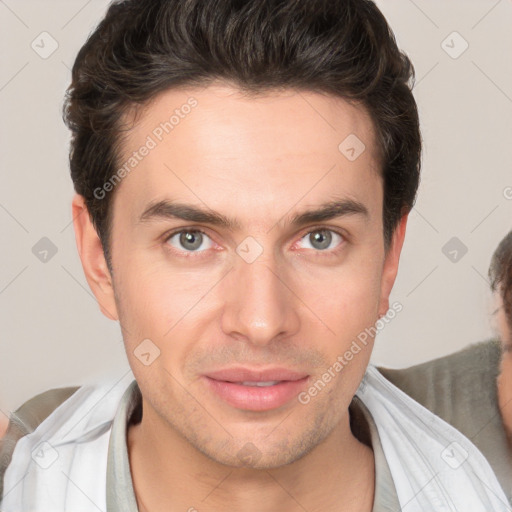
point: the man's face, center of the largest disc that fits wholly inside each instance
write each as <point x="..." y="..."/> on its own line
<point x="260" y="295"/>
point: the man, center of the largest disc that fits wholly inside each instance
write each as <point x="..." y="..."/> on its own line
<point x="472" y="389"/>
<point x="500" y="273"/>
<point x="244" y="172"/>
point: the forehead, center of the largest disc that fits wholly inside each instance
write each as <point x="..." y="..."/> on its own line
<point x="215" y="144"/>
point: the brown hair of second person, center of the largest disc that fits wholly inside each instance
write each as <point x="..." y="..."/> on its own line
<point x="500" y="274"/>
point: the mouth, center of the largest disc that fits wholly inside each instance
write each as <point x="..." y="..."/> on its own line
<point x="256" y="390"/>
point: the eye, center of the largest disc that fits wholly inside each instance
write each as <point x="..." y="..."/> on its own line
<point x="322" y="239"/>
<point x="190" y="240"/>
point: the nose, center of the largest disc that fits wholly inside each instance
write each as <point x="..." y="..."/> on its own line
<point x="260" y="305"/>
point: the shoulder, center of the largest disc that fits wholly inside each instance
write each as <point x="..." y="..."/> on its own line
<point x="26" y="419"/>
<point x="461" y="389"/>
<point x="35" y="410"/>
<point x="79" y="421"/>
<point x="450" y="385"/>
<point x="474" y="358"/>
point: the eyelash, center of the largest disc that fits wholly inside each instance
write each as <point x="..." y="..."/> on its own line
<point x="193" y="254"/>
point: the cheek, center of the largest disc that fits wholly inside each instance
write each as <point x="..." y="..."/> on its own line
<point x="505" y="391"/>
<point x="505" y="381"/>
<point x="346" y="300"/>
<point x="163" y="304"/>
<point x="155" y="295"/>
<point x="348" y="294"/>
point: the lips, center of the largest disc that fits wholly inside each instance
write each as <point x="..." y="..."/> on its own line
<point x="240" y="374"/>
<point x="256" y="390"/>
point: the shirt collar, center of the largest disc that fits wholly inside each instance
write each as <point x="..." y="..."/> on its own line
<point x="120" y="492"/>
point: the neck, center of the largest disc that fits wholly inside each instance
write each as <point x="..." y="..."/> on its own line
<point x="170" y="473"/>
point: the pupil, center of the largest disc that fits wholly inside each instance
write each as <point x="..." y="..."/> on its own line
<point x="322" y="239"/>
<point x="191" y="239"/>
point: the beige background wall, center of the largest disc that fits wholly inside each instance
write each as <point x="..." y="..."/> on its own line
<point x="51" y="330"/>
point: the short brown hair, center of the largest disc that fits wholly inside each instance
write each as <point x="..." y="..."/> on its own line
<point x="344" y="48"/>
<point x="500" y="274"/>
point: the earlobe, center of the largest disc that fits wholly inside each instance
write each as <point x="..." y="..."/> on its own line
<point x="92" y="257"/>
<point x="391" y="261"/>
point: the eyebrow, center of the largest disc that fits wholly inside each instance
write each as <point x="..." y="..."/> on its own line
<point x="165" y="209"/>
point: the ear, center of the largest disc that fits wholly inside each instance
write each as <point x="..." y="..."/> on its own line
<point x="390" y="268"/>
<point x="93" y="260"/>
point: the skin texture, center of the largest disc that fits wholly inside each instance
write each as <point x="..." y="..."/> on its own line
<point x="505" y="377"/>
<point x="4" y="422"/>
<point x="259" y="161"/>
